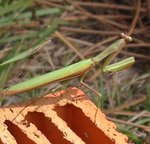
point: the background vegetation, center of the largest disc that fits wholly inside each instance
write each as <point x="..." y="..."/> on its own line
<point x="87" y="27"/>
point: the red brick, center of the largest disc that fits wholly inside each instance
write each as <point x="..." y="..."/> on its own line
<point x="66" y="117"/>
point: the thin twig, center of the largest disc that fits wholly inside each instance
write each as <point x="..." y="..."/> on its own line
<point x="128" y="104"/>
<point x="64" y="39"/>
<point x="146" y="128"/>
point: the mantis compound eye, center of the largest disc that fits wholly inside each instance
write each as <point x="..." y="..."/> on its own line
<point x="126" y="37"/>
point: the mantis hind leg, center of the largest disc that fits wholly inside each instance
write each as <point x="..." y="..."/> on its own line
<point x="93" y="90"/>
<point x="86" y="85"/>
<point x="89" y="87"/>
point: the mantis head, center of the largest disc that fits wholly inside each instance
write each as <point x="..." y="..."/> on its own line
<point x="126" y="37"/>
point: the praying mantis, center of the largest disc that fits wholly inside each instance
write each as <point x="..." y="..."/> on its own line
<point x="75" y="70"/>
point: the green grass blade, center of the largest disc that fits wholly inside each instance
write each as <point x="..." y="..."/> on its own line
<point x="25" y="17"/>
<point x="15" y="6"/>
<point x="129" y="134"/>
<point x="148" y="97"/>
<point x="23" y="54"/>
<point x="42" y="35"/>
<point x="41" y="12"/>
<point x="7" y="71"/>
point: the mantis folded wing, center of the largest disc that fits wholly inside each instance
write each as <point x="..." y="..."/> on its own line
<point x="74" y="70"/>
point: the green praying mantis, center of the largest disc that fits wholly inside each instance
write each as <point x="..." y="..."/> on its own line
<point x="75" y="70"/>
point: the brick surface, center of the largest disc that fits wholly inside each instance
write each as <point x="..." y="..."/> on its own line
<point x="66" y="117"/>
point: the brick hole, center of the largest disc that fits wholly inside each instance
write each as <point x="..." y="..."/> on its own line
<point x="16" y="132"/>
<point x="1" y="142"/>
<point x="82" y="125"/>
<point x="44" y="124"/>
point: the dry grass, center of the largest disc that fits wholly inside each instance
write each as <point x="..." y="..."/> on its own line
<point x="88" y="27"/>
